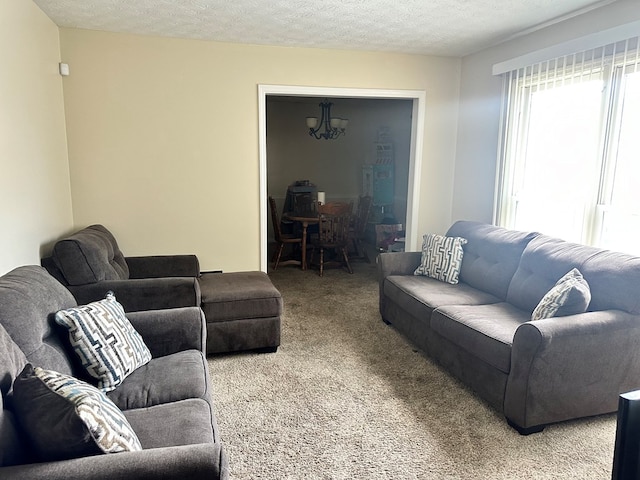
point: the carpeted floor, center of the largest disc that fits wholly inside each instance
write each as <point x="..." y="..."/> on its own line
<point x="346" y="397"/>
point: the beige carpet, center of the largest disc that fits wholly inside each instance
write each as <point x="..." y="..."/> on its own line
<point x="346" y="397"/>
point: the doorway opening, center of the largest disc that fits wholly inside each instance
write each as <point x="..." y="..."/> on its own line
<point x="288" y="93"/>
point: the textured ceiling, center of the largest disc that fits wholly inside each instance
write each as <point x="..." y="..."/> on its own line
<point x="436" y="27"/>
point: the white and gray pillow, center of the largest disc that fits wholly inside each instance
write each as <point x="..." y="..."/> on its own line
<point x="67" y="418"/>
<point x="102" y="336"/>
<point x="441" y="257"/>
<point x="569" y="296"/>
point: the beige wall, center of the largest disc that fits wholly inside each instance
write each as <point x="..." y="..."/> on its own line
<point x="163" y="135"/>
<point x="34" y="175"/>
<point x="480" y="103"/>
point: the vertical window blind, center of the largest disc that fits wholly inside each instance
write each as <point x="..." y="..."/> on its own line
<point x="569" y="160"/>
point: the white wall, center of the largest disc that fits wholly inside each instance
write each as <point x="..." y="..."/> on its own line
<point x="35" y="196"/>
<point x="480" y="104"/>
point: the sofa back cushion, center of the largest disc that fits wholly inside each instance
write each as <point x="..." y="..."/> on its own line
<point x="544" y="261"/>
<point x="29" y="299"/>
<point x="12" y="445"/>
<point x="491" y="255"/>
<point x="613" y="278"/>
<point x="89" y="256"/>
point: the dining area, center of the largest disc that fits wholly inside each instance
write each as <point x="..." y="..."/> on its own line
<point x="312" y="233"/>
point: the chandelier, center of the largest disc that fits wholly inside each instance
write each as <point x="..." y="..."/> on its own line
<point x="328" y="128"/>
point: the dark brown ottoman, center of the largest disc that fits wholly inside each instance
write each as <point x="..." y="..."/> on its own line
<point x="242" y="310"/>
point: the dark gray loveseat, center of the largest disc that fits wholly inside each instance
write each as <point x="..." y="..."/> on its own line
<point x="167" y="401"/>
<point x="535" y="372"/>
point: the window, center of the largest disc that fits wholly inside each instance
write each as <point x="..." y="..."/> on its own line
<point x="570" y="162"/>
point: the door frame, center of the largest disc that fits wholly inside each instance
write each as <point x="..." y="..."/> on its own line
<point x="415" y="152"/>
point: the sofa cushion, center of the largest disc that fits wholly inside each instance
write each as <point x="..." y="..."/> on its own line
<point x="105" y="341"/>
<point x="491" y="255"/>
<point x="441" y="258"/>
<point x="543" y="262"/>
<point x="89" y="256"/>
<point x="30" y="296"/>
<point x="420" y="295"/>
<point x="186" y="422"/>
<point x="14" y="449"/>
<point x="165" y="379"/>
<point x="12" y="360"/>
<point x="66" y="418"/>
<point x="614" y="278"/>
<point x="239" y="295"/>
<point x="569" y="296"/>
<point x="484" y="331"/>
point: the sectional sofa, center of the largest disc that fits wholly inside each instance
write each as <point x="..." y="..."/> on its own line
<point x="480" y="329"/>
<point x="167" y="401"/>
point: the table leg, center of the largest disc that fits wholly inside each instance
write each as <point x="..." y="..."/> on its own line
<point x="304" y="245"/>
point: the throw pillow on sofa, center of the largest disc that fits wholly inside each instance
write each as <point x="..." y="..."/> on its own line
<point x="569" y="296"/>
<point x="441" y="257"/>
<point x="67" y="418"/>
<point x="108" y="346"/>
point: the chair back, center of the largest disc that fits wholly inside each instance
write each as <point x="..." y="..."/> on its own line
<point x="277" y="232"/>
<point x="333" y="229"/>
<point x="90" y="255"/>
<point x="362" y="215"/>
<point x="335" y="208"/>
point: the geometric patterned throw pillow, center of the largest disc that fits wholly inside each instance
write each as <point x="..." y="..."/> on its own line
<point x="569" y="296"/>
<point x="441" y="257"/>
<point x="105" y="341"/>
<point x="67" y="418"/>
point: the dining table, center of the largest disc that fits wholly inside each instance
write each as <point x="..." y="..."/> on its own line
<point x="305" y="219"/>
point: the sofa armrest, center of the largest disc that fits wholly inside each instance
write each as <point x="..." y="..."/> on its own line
<point x="195" y="462"/>
<point x="143" y="294"/>
<point x="395" y="263"/>
<point x="157" y="266"/>
<point x="570" y="367"/>
<point x="171" y="330"/>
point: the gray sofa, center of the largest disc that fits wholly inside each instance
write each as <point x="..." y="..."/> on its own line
<point x="167" y="401"/>
<point x="535" y="372"/>
<point x="242" y="309"/>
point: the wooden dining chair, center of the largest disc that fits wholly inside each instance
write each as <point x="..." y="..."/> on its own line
<point x="358" y="227"/>
<point x="333" y="236"/>
<point x="335" y="208"/>
<point x="282" y="239"/>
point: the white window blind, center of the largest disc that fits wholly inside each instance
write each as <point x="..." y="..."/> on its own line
<point x="569" y="164"/>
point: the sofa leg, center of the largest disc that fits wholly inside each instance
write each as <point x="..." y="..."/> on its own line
<point x="525" y="431"/>
<point x="266" y="350"/>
